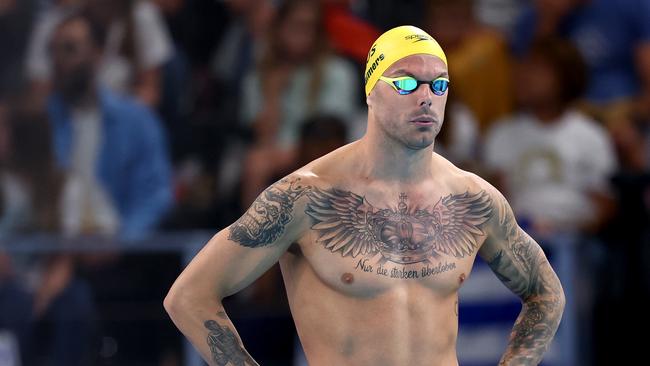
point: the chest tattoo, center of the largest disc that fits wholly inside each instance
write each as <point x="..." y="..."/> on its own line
<point x="348" y="224"/>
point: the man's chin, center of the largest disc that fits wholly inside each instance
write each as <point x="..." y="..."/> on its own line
<point x="423" y="141"/>
<point x="421" y="144"/>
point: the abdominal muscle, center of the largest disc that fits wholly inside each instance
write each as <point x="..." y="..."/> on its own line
<point x="396" y="323"/>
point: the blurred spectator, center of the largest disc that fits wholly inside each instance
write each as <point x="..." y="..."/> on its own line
<point x="541" y="19"/>
<point x="15" y="302"/>
<point x="4" y="129"/>
<point x="196" y="26"/>
<point x="501" y="14"/>
<point x="37" y="62"/>
<point x="297" y="76"/>
<point x="612" y="35"/>
<point x="479" y="63"/>
<point x="169" y="6"/>
<point x="41" y="292"/>
<point x="210" y="138"/>
<point x="5" y="152"/>
<point x="28" y="203"/>
<point x="238" y="52"/>
<point x="242" y="41"/>
<point x="112" y="147"/>
<point x="16" y="18"/>
<point x="350" y="35"/>
<point x="175" y="83"/>
<point x="118" y="175"/>
<point x="553" y="161"/>
<point x="136" y="46"/>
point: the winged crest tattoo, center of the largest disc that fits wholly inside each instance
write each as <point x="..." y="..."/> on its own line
<point x="347" y="223"/>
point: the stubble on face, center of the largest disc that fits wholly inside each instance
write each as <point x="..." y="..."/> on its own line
<point x="412" y="120"/>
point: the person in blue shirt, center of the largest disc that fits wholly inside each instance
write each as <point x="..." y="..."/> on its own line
<point x="112" y="147"/>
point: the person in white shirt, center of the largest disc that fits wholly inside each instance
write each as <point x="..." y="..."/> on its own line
<point x="297" y="77"/>
<point x="553" y="160"/>
<point x="137" y="46"/>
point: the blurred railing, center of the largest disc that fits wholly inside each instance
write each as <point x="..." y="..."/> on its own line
<point x="186" y="244"/>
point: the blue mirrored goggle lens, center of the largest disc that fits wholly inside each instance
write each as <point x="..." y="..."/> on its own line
<point x="439" y="86"/>
<point x="408" y="85"/>
<point x="405" y="86"/>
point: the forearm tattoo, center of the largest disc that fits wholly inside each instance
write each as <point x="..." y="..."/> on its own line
<point x="264" y="222"/>
<point x="522" y="266"/>
<point x="225" y="348"/>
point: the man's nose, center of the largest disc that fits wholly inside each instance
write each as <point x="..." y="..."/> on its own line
<point x="425" y="95"/>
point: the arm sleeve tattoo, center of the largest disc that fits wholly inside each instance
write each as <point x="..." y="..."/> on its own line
<point x="521" y="265"/>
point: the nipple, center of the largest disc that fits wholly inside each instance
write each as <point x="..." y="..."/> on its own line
<point x="461" y="278"/>
<point x="347" y="278"/>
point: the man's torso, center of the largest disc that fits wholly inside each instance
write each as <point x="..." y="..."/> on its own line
<point x="374" y="277"/>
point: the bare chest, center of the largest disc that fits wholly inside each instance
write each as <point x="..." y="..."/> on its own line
<point x="372" y="276"/>
<point x="363" y="250"/>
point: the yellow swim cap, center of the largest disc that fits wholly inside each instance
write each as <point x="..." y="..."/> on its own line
<point x="396" y="44"/>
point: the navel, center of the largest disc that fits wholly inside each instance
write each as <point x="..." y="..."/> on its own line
<point x="347" y="278"/>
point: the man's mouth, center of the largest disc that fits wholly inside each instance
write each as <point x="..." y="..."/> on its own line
<point x="423" y="121"/>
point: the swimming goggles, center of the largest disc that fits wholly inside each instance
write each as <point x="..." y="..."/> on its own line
<point x="406" y="84"/>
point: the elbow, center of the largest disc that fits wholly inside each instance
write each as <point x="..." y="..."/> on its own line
<point x="181" y="301"/>
<point x="174" y="304"/>
<point x="555" y="302"/>
<point x="178" y="301"/>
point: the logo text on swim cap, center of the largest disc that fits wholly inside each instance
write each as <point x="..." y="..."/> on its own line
<point x="371" y="52"/>
<point x="374" y="65"/>
<point x="418" y="37"/>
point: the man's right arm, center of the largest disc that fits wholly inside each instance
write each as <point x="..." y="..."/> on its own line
<point x="230" y="261"/>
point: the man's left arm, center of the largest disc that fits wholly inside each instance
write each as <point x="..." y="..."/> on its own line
<point x="519" y="262"/>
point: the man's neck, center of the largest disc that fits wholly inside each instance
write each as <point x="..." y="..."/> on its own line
<point x="385" y="159"/>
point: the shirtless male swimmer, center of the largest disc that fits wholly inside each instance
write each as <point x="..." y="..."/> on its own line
<point x="375" y="239"/>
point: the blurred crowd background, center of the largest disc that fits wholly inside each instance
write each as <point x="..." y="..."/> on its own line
<point x="121" y="119"/>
